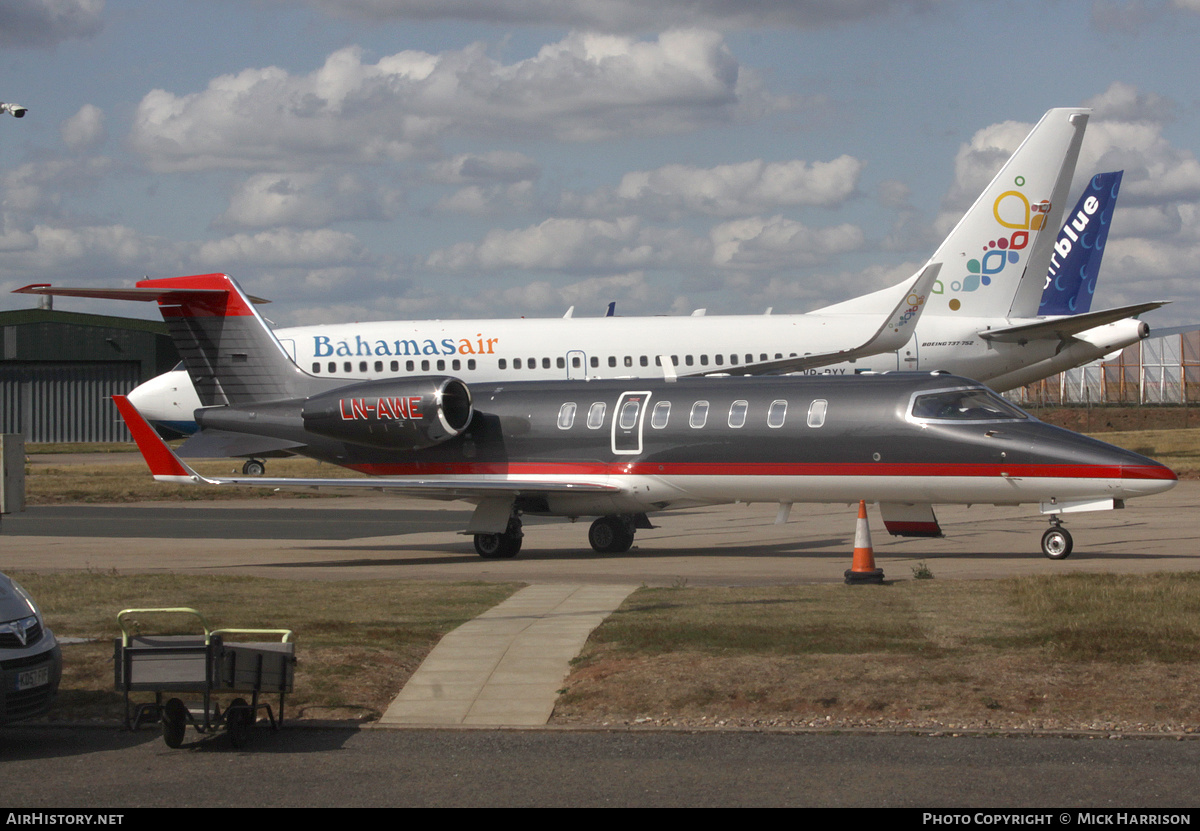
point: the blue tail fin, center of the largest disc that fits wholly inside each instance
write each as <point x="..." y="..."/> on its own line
<point x="1075" y="264"/>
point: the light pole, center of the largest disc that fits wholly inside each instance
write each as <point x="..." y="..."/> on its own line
<point x="15" y="110"/>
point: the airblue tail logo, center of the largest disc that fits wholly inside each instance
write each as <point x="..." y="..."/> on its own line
<point x="1075" y="263"/>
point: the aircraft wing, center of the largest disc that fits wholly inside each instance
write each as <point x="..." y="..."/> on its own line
<point x="1063" y="328"/>
<point x="894" y="331"/>
<point x="168" y="467"/>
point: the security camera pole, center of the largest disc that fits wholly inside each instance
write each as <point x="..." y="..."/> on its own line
<point x="15" y="110"/>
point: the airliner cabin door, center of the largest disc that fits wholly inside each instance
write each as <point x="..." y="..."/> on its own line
<point x="576" y="366"/>
<point x="627" y="422"/>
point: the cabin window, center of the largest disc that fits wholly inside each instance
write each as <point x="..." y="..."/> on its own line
<point x="316" y="367"/>
<point x="566" y="415"/>
<point x="470" y="363"/>
<point x="531" y="363"/>
<point x="379" y="366"/>
<point x="516" y="363"/>
<point x="674" y="360"/>
<point x="628" y="360"/>
<point x="560" y="363"/>
<point x="545" y="363"/>
<point x="699" y="415"/>
<point x="347" y="367"/>
<point x="660" y="414"/>
<point x="688" y="360"/>
<point x="395" y="366"/>
<point x="332" y="366"/>
<point x="576" y="363"/>
<point x="596" y="416"/>
<point x="644" y="361"/>
<point x="595" y="362"/>
<point x="456" y="364"/>
<point x="737" y="414"/>
<point x="816" y="412"/>
<point x="763" y="356"/>
<point x="629" y="414"/>
<point x="777" y="414"/>
<point x="749" y="358"/>
<point x="719" y="360"/>
<point x="362" y="366"/>
<point x="424" y="366"/>
<point x="441" y="365"/>
<point x="703" y="360"/>
<point x="409" y="366"/>
<point x="733" y="359"/>
<point x="612" y="360"/>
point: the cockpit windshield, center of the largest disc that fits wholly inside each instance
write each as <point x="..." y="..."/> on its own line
<point x="965" y="405"/>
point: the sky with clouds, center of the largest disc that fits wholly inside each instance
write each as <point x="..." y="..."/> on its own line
<point x="378" y="159"/>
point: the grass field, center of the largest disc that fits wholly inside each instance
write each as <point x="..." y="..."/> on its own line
<point x="1092" y="652"/>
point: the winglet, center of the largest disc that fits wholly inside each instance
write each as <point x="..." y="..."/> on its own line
<point x="162" y="461"/>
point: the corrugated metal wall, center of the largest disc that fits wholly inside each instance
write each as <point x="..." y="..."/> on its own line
<point x="64" y="402"/>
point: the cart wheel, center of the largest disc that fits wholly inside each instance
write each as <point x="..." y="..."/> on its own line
<point x="240" y="718"/>
<point x="174" y="722"/>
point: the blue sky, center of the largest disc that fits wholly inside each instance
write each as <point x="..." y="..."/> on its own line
<point x="376" y="159"/>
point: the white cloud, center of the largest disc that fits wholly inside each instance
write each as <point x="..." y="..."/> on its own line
<point x="42" y="23"/>
<point x="308" y="200"/>
<point x="625" y="15"/>
<point x="84" y="130"/>
<point x="584" y="87"/>
<point x="726" y="190"/>
<point x="281" y="247"/>
<point x="572" y="245"/>
<point x="778" y="242"/>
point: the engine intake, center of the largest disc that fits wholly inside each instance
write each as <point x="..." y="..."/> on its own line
<point x="411" y="413"/>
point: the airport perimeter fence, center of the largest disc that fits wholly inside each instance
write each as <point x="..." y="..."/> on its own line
<point x="1158" y="371"/>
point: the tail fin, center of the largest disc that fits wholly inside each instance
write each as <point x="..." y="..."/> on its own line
<point x="230" y="353"/>
<point x="1079" y="248"/>
<point x="987" y="255"/>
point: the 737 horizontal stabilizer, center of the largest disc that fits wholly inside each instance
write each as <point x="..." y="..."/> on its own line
<point x="168" y="467"/>
<point x="1062" y="328"/>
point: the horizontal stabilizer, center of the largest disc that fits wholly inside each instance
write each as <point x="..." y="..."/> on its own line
<point x="1062" y="328"/>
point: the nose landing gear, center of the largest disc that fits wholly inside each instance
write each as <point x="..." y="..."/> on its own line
<point x="1057" y="542"/>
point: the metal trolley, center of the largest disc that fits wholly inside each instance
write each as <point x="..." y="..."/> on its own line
<point x="204" y="664"/>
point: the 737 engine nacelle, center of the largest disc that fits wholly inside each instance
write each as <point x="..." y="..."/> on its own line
<point x="411" y="413"/>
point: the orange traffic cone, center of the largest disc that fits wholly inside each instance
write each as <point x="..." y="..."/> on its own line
<point x="863" y="570"/>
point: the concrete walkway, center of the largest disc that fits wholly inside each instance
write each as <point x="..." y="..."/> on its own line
<point x="505" y="667"/>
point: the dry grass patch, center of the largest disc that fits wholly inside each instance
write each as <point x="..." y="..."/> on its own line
<point x="357" y="642"/>
<point x="1082" y="651"/>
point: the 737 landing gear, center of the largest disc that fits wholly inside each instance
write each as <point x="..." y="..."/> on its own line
<point x="1057" y="542"/>
<point x="254" y="467"/>
<point x="502" y="546"/>
<point x="612" y="534"/>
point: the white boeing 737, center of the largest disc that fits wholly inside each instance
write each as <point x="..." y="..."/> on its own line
<point x="977" y="318"/>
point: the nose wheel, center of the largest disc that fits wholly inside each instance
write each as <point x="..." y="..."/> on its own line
<point x="1057" y="542"/>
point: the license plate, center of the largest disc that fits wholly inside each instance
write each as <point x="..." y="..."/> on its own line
<point x="33" y="678"/>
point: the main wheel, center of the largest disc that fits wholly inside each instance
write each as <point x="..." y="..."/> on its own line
<point x="611" y="535"/>
<point x="1057" y="543"/>
<point x="239" y="718"/>
<point x="254" y="467"/>
<point x="497" y="546"/>
<point x="174" y="722"/>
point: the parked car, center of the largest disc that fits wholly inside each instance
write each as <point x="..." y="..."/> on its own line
<point x="30" y="659"/>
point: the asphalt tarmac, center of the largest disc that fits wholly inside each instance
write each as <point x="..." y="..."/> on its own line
<point x="380" y="536"/>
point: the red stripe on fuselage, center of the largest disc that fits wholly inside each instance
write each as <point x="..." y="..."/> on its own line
<point x="764" y="469"/>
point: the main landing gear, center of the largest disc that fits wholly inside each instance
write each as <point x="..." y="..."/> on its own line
<point x="502" y="546"/>
<point x="612" y="534"/>
<point x="1057" y="542"/>
<point x="254" y="467"/>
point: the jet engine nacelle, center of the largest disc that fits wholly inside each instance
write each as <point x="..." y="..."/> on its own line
<point x="404" y="413"/>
